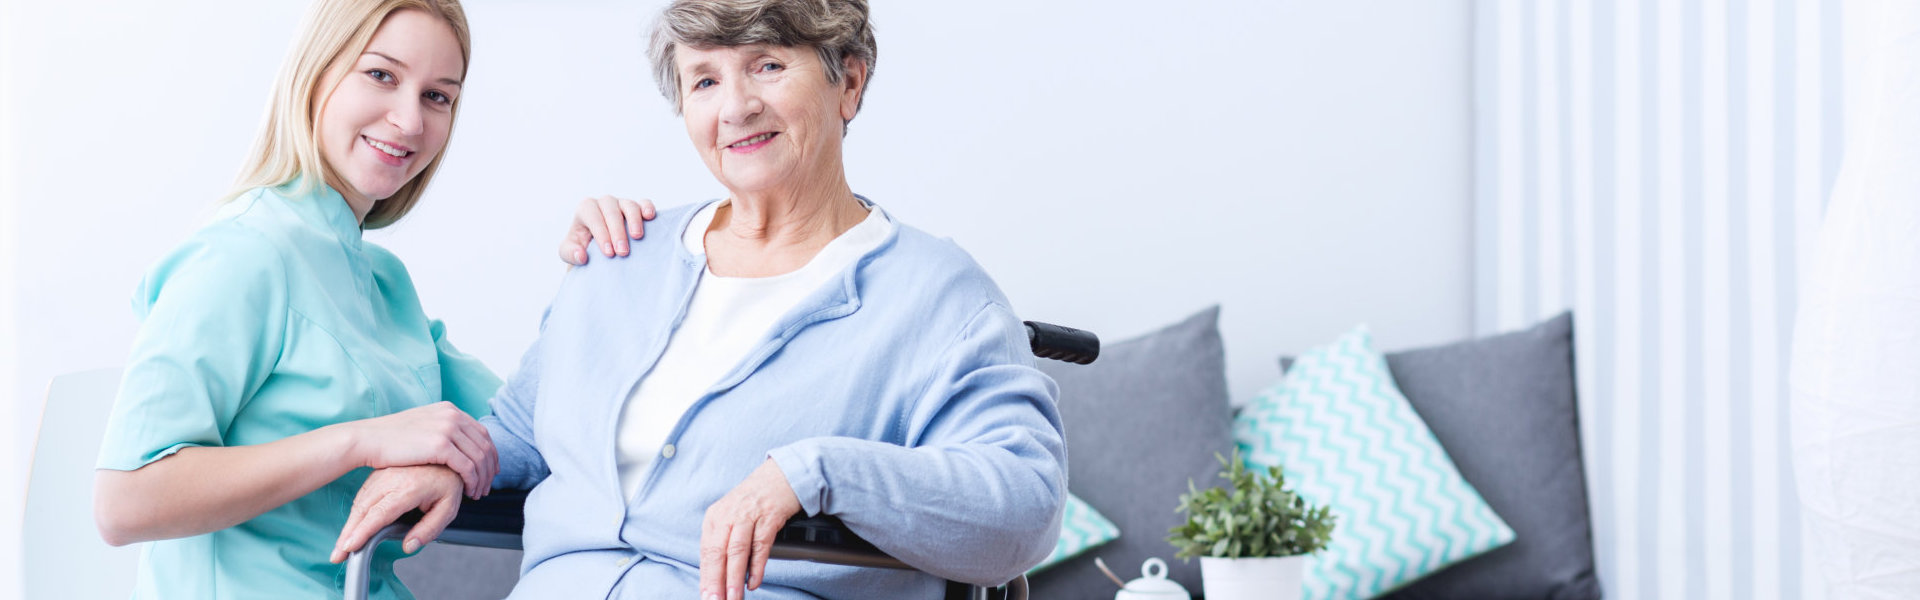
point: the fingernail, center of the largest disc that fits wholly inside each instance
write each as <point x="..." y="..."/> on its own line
<point x="411" y="546"/>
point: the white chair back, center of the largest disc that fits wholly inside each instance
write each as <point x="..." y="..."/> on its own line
<point x="63" y="556"/>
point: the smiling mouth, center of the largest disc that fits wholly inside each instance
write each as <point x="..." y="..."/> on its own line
<point x="389" y="149"/>
<point x="754" y="140"/>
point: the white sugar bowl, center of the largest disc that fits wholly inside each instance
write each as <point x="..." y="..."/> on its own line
<point x="1153" y="584"/>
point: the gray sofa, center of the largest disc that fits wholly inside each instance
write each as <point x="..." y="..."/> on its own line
<point x="1152" y="412"/>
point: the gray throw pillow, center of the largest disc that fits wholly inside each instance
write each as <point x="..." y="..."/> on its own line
<point x="1504" y="409"/>
<point x="1141" y="421"/>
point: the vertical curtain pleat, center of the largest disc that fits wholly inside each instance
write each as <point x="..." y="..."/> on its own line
<point x="1660" y="167"/>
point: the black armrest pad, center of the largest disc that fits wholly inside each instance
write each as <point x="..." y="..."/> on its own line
<point x="503" y="511"/>
<point x="496" y="521"/>
<point x="823" y="530"/>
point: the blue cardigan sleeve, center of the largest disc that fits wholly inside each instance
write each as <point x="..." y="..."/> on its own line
<point x="511" y="424"/>
<point x="984" y="478"/>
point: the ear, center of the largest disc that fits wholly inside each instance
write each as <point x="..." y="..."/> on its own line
<point x="852" y="86"/>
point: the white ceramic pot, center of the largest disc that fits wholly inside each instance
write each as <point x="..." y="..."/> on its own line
<point x="1276" y="578"/>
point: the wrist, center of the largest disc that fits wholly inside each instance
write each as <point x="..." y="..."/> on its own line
<point x="345" y="442"/>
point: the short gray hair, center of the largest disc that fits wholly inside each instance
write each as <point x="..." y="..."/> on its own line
<point x="835" y="29"/>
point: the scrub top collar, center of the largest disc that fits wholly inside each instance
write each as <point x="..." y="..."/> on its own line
<point x="320" y="205"/>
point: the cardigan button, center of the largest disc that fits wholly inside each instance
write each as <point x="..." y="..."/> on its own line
<point x="666" y="451"/>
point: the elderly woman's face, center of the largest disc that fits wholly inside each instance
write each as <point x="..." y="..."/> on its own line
<point x="764" y="118"/>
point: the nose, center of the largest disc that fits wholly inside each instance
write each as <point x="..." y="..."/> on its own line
<point x="407" y="119"/>
<point x="742" y="104"/>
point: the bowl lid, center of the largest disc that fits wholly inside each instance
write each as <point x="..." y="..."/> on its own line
<point x="1154" y="580"/>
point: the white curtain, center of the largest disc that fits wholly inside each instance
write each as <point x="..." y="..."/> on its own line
<point x="1660" y="166"/>
<point x="1856" y="361"/>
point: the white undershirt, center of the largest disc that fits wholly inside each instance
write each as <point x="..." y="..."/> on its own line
<point x="728" y="317"/>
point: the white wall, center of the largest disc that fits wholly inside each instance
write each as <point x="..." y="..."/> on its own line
<point x="1115" y="164"/>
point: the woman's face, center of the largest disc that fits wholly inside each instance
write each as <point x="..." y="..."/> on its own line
<point x="764" y="118"/>
<point x="391" y="109"/>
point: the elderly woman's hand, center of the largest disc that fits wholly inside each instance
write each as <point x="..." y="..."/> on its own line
<point x="390" y="493"/>
<point x="738" y="533"/>
<point x="596" y="218"/>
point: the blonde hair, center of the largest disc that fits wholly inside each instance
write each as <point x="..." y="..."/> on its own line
<point x="835" y="29"/>
<point x="288" y="147"/>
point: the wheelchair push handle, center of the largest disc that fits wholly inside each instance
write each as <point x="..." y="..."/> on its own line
<point x="1062" y="343"/>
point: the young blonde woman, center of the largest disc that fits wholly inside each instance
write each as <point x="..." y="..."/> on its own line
<point x="284" y="366"/>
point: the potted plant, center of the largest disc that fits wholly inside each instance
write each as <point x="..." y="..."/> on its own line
<point x="1253" y="536"/>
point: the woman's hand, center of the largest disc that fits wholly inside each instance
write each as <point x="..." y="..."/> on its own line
<point x="738" y="533"/>
<point x="435" y="434"/>
<point x="596" y="218"/>
<point x="390" y="493"/>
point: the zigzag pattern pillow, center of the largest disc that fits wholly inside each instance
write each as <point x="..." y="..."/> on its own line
<point x="1346" y="438"/>
<point x="1082" y="529"/>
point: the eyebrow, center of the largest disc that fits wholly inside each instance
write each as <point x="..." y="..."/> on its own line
<point x="452" y="82"/>
<point x="707" y="65"/>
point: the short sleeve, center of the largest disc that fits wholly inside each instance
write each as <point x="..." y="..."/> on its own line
<point x="213" y="322"/>
<point x="464" y="380"/>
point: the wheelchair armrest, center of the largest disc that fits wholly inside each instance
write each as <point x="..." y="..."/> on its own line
<point x="494" y="521"/>
<point x="824" y="539"/>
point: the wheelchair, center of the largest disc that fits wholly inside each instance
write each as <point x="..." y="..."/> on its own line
<point x="497" y="520"/>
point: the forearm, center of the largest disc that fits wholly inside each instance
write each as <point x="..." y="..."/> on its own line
<point x="521" y="466"/>
<point x="204" y="489"/>
<point x="994" y="508"/>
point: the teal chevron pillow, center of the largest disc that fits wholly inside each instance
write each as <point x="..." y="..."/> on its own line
<point x="1082" y="529"/>
<point x="1349" y="440"/>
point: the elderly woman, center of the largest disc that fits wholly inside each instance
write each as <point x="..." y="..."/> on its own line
<point x="789" y="348"/>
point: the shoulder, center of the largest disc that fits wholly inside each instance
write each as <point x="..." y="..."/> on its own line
<point x="396" y="284"/>
<point x="261" y="211"/>
<point x="383" y="261"/>
<point x="935" y="286"/>
<point x="261" y="220"/>
<point x="225" y="258"/>
<point x="939" y="267"/>
<point x="677" y="217"/>
<point x="237" y="240"/>
<point x="659" y="248"/>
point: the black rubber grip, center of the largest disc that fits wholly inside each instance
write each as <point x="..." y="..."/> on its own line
<point x="1062" y="343"/>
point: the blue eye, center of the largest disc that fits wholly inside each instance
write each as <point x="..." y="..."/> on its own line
<point x="438" y="98"/>
<point x="380" y="75"/>
<point x="703" y="84"/>
<point x="771" y="67"/>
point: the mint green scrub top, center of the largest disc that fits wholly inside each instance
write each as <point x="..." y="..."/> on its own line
<point x="273" y="320"/>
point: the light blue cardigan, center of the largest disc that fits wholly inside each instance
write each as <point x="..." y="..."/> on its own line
<point x="901" y="398"/>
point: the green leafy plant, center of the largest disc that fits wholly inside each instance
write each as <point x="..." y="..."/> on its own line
<point x="1254" y="516"/>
